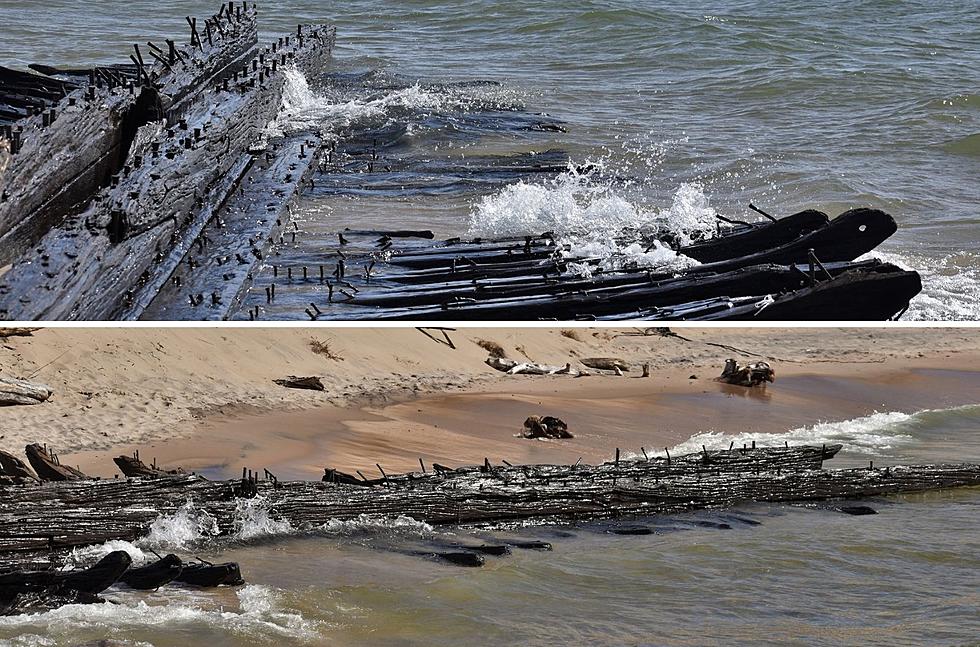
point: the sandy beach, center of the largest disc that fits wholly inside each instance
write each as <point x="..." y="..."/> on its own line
<point x="394" y="396"/>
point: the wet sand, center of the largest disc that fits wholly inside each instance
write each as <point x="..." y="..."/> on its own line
<point x="604" y="413"/>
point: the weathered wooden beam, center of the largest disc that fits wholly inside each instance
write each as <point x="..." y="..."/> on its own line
<point x="175" y="180"/>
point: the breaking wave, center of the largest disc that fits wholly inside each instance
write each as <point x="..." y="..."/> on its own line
<point x="182" y="530"/>
<point x="950" y="285"/>
<point x="874" y="435"/>
<point x="261" y="616"/>
<point x="585" y="212"/>
<point x="191" y="528"/>
<point x="339" y="107"/>
<point x="252" y="521"/>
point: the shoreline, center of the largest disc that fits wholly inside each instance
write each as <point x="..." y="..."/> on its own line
<point x="393" y="395"/>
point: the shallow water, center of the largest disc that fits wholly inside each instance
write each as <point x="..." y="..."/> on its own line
<point x="766" y="574"/>
<point x="687" y="110"/>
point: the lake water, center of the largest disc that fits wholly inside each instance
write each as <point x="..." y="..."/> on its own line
<point x="761" y="574"/>
<point x="682" y="112"/>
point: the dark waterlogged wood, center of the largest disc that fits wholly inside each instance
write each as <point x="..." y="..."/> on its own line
<point x="370" y="275"/>
<point x="154" y="575"/>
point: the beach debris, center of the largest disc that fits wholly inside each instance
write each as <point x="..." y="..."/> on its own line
<point x="528" y="368"/>
<point x="15" y="469"/>
<point x="606" y="364"/>
<point x="748" y="375"/>
<point x="22" y="392"/>
<point x="545" y="427"/>
<point x="48" y="466"/>
<point x="133" y="467"/>
<point x="17" y="332"/>
<point x="308" y="383"/>
<point x="492" y="347"/>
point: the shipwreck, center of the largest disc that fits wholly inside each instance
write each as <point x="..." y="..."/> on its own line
<point x="151" y="190"/>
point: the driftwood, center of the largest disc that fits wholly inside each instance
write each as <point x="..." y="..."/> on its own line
<point x="17" y="332"/>
<point x="545" y="427"/>
<point x="16" y="392"/>
<point x="748" y="375"/>
<point x="528" y="368"/>
<point x="48" y="466"/>
<point x="308" y="383"/>
<point x="606" y="363"/>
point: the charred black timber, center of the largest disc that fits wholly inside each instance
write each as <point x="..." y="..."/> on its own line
<point x="375" y="276"/>
<point x="50" y="583"/>
<point x="56" y="517"/>
<point x="208" y="575"/>
<point x="757" y="237"/>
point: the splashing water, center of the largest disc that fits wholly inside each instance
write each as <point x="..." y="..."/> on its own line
<point x="335" y="110"/>
<point x="252" y="520"/>
<point x="377" y="525"/>
<point x="950" y="285"/>
<point x="260" y="616"/>
<point x="595" y="221"/>
<point x="872" y="435"/>
<point x="185" y="527"/>
<point x="181" y="530"/>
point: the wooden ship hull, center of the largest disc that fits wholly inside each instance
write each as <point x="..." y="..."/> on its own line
<point x="203" y="139"/>
<point x="54" y="518"/>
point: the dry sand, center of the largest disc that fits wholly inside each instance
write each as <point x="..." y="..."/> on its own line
<point x="204" y="398"/>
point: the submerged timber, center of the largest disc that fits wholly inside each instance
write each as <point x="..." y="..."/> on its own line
<point x="151" y="191"/>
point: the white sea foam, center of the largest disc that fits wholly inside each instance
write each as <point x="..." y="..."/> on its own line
<point x="253" y="521"/>
<point x="333" y="110"/>
<point x="875" y="434"/>
<point x="376" y="524"/>
<point x="261" y="616"/>
<point x="586" y="213"/>
<point x="950" y="285"/>
<point x="187" y="527"/>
